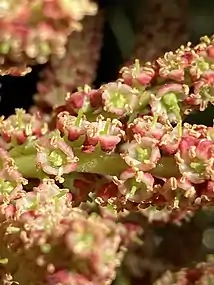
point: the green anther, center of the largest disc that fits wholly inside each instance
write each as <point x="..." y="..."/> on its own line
<point x="79" y="118"/>
<point x="45" y="49"/>
<point x="133" y="191"/>
<point x="34" y="205"/>
<point x="143" y="154"/>
<point x="19" y="117"/>
<point x="106" y="128"/>
<point x="154" y="121"/>
<point x="61" y="194"/>
<point x="180" y="131"/>
<point x="55" y="158"/>
<point x="197" y="166"/>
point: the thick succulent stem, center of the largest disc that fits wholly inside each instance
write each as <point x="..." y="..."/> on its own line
<point x="103" y="164"/>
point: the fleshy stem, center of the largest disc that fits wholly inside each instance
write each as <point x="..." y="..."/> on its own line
<point x="104" y="164"/>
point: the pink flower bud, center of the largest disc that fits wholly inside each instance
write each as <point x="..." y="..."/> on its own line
<point x="70" y="126"/>
<point x="148" y="127"/>
<point x="107" y="133"/>
<point x="17" y="128"/>
<point x="136" y="75"/>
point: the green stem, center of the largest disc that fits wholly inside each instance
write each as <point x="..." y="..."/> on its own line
<point x="166" y="168"/>
<point x="104" y="164"/>
<point x="27" y="165"/>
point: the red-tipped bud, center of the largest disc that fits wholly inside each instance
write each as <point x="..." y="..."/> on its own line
<point x="70" y="126"/>
<point x="148" y="127"/>
<point x="136" y="75"/>
<point x="107" y="133"/>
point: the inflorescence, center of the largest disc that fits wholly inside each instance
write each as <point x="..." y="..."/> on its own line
<point x="122" y="147"/>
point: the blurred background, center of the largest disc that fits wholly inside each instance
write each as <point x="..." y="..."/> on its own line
<point x="125" y="30"/>
<point x="138" y="28"/>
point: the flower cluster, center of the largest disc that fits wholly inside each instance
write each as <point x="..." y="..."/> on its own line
<point x="202" y="274"/>
<point x="39" y="225"/>
<point x="32" y="31"/>
<point x="76" y="68"/>
<point x="131" y="133"/>
<point x="120" y="147"/>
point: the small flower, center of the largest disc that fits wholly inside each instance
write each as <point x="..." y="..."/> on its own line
<point x="119" y="99"/>
<point x="47" y="192"/>
<point x="135" y="186"/>
<point x="203" y="94"/>
<point x="16" y="129"/>
<point x="172" y="65"/>
<point x="199" y="67"/>
<point x="141" y="153"/>
<point x="55" y="157"/>
<point x="79" y="100"/>
<point x="180" y="193"/>
<point x="137" y="76"/>
<point x="11" y="180"/>
<point x="72" y="127"/>
<point x="165" y="101"/>
<point x="195" y="158"/>
<point x="107" y="133"/>
<point x="148" y="126"/>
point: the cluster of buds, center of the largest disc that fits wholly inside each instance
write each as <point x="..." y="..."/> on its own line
<point x="131" y="133"/>
<point x="64" y="245"/>
<point x="173" y="216"/>
<point x="122" y="147"/>
<point x="202" y="274"/>
<point x="76" y="68"/>
<point x="32" y="31"/>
